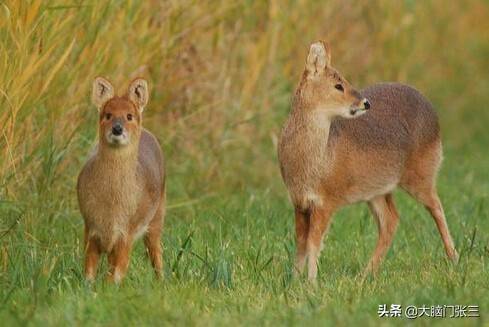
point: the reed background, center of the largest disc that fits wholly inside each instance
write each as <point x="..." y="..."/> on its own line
<point x="222" y="74"/>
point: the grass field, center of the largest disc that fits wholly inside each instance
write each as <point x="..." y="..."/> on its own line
<point x="222" y="75"/>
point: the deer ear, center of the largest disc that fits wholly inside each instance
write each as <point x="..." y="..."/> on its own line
<point x="138" y="93"/>
<point x="319" y="57"/>
<point x="102" y="91"/>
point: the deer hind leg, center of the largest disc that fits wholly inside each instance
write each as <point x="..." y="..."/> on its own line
<point x="152" y="242"/>
<point x="387" y="219"/>
<point x="319" y="223"/>
<point x="419" y="182"/>
<point x="429" y="198"/>
<point x="433" y="205"/>
<point x="119" y="260"/>
<point x="301" y="232"/>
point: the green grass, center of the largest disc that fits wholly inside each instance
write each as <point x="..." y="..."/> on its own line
<point x="221" y="75"/>
<point x="228" y="260"/>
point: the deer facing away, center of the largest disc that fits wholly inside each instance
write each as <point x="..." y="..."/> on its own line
<point x="121" y="188"/>
<point x="332" y="153"/>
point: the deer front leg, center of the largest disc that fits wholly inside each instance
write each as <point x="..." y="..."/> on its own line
<point x="301" y="233"/>
<point x="119" y="260"/>
<point x="320" y="221"/>
<point x="92" y="255"/>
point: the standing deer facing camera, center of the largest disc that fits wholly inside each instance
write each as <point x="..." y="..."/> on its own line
<point x="121" y="188"/>
<point x="333" y="153"/>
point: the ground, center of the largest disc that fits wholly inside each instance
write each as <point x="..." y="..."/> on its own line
<point x="228" y="259"/>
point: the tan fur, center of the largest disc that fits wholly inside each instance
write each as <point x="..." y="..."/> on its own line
<point x="328" y="160"/>
<point x="121" y="188"/>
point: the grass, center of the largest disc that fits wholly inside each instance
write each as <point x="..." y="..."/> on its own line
<point x="228" y="260"/>
<point x="222" y="74"/>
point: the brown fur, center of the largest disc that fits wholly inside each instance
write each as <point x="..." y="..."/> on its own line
<point x="121" y="190"/>
<point x="328" y="161"/>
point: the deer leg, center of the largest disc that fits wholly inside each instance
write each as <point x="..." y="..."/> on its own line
<point x="92" y="255"/>
<point x="152" y="242"/>
<point x="119" y="260"/>
<point x="387" y="219"/>
<point x="301" y="232"/>
<point x="319" y="223"/>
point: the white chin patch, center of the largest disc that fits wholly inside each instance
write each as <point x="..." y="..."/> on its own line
<point x="356" y="112"/>
<point x="117" y="139"/>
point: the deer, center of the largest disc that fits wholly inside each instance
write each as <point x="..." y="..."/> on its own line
<point x="340" y="146"/>
<point x="121" y="187"/>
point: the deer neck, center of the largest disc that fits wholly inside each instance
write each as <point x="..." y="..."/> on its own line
<point x="118" y="161"/>
<point x="314" y="126"/>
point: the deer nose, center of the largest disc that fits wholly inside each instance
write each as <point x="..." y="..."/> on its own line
<point x="366" y="104"/>
<point x="117" y="129"/>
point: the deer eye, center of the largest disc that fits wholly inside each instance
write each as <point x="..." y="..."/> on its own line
<point x="129" y="116"/>
<point x="339" y="87"/>
<point x="108" y="116"/>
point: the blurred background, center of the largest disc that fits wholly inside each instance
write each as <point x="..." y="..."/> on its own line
<point x="222" y="74"/>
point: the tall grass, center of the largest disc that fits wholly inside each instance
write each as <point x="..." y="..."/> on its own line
<point x="221" y="72"/>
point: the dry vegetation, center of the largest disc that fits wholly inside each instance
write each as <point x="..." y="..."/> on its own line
<point x="222" y="73"/>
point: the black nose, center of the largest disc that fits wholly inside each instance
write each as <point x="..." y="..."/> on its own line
<point x="366" y="104"/>
<point x="117" y="130"/>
